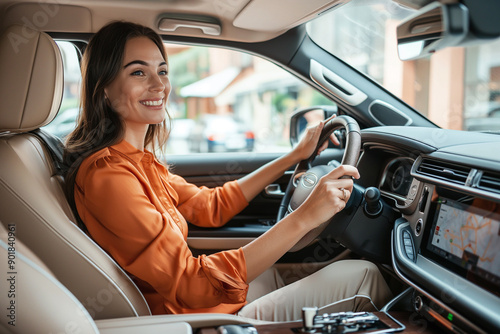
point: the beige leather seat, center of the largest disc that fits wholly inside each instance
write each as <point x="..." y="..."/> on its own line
<point x="32" y="300"/>
<point x="31" y="197"/>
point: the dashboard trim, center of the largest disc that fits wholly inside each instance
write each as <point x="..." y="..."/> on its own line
<point x="372" y="137"/>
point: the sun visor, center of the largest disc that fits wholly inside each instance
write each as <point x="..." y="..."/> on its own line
<point x="280" y="15"/>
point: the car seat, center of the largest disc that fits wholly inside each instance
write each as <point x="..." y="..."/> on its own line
<point x="36" y="302"/>
<point x="31" y="195"/>
<point x="33" y="301"/>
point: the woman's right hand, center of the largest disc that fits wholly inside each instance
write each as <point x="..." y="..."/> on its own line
<point x="327" y="198"/>
<point x="322" y="204"/>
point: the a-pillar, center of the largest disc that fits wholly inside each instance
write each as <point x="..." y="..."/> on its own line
<point x="446" y="88"/>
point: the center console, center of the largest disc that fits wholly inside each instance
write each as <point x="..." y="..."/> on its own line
<point x="335" y="323"/>
<point x="449" y="253"/>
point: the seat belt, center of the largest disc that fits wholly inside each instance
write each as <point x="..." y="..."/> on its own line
<point x="56" y="149"/>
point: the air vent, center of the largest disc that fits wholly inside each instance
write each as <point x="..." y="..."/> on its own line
<point x="490" y="182"/>
<point x="444" y="171"/>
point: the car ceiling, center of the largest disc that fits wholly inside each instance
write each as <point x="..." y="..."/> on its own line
<point x="239" y="20"/>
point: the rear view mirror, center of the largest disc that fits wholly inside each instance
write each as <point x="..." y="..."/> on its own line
<point x="432" y="28"/>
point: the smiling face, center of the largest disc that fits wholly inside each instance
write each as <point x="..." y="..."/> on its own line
<point x="140" y="90"/>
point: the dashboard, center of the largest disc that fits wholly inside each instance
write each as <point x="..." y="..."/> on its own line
<point x="445" y="244"/>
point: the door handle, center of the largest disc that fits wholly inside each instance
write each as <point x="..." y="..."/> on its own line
<point x="274" y="190"/>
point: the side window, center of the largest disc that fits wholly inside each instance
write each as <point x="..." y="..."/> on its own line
<point x="65" y="121"/>
<point x="229" y="101"/>
<point x="221" y="100"/>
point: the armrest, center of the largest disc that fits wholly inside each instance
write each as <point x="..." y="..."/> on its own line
<point x="171" y="323"/>
<point x="145" y="325"/>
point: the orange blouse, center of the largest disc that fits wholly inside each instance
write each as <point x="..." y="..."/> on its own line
<point x="136" y="210"/>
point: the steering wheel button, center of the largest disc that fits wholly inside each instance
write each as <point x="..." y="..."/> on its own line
<point x="407" y="242"/>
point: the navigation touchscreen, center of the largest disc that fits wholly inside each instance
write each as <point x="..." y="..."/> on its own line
<point x="468" y="238"/>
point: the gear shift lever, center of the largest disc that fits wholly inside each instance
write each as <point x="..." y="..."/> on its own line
<point x="373" y="206"/>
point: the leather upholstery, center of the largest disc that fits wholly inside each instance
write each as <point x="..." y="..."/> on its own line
<point x="31" y="195"/>
<point x="33" y="300"/>
<point x="32" y="79"/>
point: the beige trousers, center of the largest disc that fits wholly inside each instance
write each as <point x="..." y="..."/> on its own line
<point x="348" y="285"/>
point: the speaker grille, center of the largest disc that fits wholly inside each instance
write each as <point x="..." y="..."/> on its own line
<point x="388" y="115"/>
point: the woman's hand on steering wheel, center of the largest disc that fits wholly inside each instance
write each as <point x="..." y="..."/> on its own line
<point x="306" y="176"/>
<point x="329" y="196"/>
<point x="309" y="141"/>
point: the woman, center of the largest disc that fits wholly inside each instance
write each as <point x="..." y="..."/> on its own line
<point x="136" y="210"/>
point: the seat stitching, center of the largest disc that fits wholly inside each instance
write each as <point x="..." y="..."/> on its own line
<point x="30" y="81"/>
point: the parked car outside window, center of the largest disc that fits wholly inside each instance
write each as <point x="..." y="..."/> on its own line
<point x="220" y="133"/>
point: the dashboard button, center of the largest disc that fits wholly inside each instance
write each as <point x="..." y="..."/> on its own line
<point x="409" y="252"/>
<point x="418" y="226"/>
<point x="408" y="245"/>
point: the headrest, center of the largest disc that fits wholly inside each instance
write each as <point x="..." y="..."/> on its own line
<point x="31" y="84"/>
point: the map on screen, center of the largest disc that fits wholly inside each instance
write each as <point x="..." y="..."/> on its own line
<point x="473" y="238"/>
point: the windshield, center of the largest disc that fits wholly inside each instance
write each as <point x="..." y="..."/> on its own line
<point x="456" y="88"/>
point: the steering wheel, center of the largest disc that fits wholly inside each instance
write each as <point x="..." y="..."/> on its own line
<point x="305" y="178"/>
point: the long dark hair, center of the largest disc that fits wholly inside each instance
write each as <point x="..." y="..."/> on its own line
<point x="98" y="125"/>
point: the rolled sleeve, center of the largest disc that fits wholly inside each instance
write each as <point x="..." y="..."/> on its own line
<point x="227" y="271"/>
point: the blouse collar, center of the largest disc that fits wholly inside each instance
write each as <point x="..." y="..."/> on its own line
<point x="132" y="152"/>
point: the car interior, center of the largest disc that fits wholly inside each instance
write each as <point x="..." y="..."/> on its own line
<point x="426" y="209"/>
